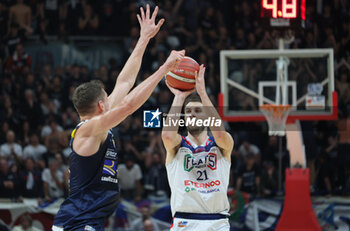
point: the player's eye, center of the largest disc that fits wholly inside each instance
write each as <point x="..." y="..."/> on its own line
<point x="198" y="110"/>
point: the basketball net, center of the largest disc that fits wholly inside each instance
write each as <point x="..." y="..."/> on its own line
<point x="276" y="116"/>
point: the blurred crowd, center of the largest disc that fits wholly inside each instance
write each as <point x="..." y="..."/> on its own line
<point x="37" y="115"/>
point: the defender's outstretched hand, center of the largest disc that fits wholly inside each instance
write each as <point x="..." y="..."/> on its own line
<point x="147" y="23"/>
<point x="174" y="59"/>
<point x="200" y="82"/>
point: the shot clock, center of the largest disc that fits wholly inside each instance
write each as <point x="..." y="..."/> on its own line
<point x="283" y="14"/>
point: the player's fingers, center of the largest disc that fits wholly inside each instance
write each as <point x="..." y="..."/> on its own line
<point x="139" y="18"/>
<point x="183" y="52"/>
<point x="142" y="13"/>
<point x="201" y="70"/>
<point x="160" y="23"/>
<point x="154" y="15"/>
<point x="147" y="11"/>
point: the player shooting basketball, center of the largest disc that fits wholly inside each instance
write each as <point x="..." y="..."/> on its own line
<point x="94" y="189"/>
<point x="198" y="165"/>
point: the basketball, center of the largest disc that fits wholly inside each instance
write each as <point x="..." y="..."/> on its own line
<point x="183" y="77"/>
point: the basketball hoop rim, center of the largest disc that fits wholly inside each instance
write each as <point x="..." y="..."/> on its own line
<point x="275" y="106"/>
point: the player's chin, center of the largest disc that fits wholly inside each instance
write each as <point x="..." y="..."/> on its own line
<point x="194" y="130"/>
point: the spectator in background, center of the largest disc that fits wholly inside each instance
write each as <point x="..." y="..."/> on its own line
<point x="271" y="151"/>
<point x="21" y="14"/>
<point x="56" y="90"/>
<point x="107" y="13"/>
<point x="4" y="129"/>
<point x="249" y="176"/>
<point x="11" y="150"/>
<point x="343" y="88"/>
<point x="247" y="147"/>
<point x="31" y="109"/>
<point x="24" y="134"/>
<point x="8" y="181"/>
<point x="269" y="180"/>
<point x="34" y="149"/>
<point x="88" y="21"/>
<point x="52" y="10"/>
<point x="102" y="74"/>
<point x="324" y="176"/>
<point x="74" y="78"/>
<point x="45" y="103"/>
<point x="18" y="61"/>
<point x="52" y="181"/>
<point x="56" y="137"/>
<point x="46" y="76"/>
<point x="64" y="169"/>
<point x="30" y="181"/>
<point x="14" y="37"/>
<point x="70" y="118"/>
<point x="155" y="176"/>
<point x="26" y="224"/>
<point x="148" y="225"/>
<point x="139" y="223"/>
<point x="30" y="83"/>
<point x="8" y="112"/>
<point x="130" y="176"/>
<point x="51" y="127"/>
<point x="72" y="9"/>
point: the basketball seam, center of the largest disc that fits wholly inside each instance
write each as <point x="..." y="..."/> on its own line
<point x="188" y="66"/>
<point x="175" y="76"/>
<point x="186" y="57"/>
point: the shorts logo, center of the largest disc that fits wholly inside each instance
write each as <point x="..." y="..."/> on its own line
<point x="191" y="162"/>
<point x="151" y="118"/>
<point x="182" y="224"/>
<point x="109" y="167"/>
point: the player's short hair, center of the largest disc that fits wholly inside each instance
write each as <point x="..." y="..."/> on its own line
<point x="87" y="95"/>
<point x="194" y="97"/>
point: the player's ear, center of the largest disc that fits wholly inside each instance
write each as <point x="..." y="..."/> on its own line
<point x="101" y="106"/>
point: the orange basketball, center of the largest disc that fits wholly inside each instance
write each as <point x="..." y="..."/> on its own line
<point x="183" y="77"/>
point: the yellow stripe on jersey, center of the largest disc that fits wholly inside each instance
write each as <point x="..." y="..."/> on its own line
<point x="73" y="133"/>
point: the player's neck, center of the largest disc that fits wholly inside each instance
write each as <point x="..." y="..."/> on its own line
<point x="88" y="117"/>
<point x="200" y="138"/>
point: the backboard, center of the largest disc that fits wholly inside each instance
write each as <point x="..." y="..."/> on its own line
<point x="249" y="79"/>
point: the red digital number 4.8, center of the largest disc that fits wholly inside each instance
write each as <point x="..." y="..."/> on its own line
<point x="289" y="8"/>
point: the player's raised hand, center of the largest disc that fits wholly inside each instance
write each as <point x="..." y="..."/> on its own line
<point x="200" y="83"/>
<point x="174" y="59"/>
<point x="179" y="93"/>
<point x="147" y="22"/>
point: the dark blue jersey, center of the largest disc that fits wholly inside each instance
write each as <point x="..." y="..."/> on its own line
<point x="93" y="187"/>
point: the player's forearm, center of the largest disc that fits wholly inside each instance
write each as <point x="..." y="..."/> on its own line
<point x="174" y="114"/>
<point x="143" y="91"/>
<point x="211" y="112"/>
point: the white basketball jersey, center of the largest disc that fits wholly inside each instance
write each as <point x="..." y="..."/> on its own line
<point x="199" y="178"/>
